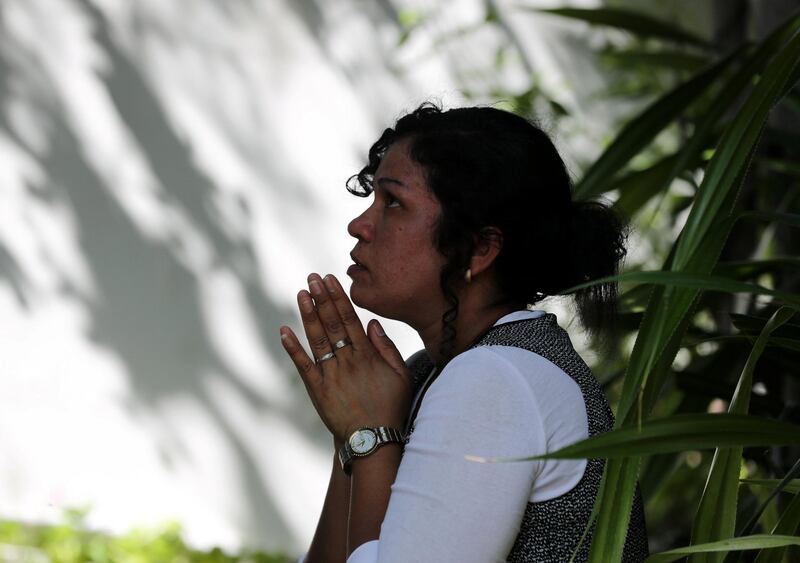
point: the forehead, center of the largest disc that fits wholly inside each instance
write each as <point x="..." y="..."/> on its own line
<point x="397" y="164"/>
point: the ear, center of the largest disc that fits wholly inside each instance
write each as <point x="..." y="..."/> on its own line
<point x="488" y="244"/>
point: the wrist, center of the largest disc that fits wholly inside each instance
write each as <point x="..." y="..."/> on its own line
<point x="366" y="441"/>
<point x="390" y="453"/>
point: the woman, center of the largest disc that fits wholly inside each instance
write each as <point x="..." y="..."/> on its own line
<point x="471" y="222"/>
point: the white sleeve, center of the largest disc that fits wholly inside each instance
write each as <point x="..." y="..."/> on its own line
<point x="444" y="507"/>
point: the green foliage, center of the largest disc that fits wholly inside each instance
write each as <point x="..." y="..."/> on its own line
<point x="72" y="542"/>
<point x="788" y="524"/>
<point x="634" y="22"/>
<point x="679" y="433"/>
<point x="792" y="487"/>
<point x="716" y="516"/>
<point x="760" y="541"/>
<point x="641" y="130"/>
<point x="679" y="303"/>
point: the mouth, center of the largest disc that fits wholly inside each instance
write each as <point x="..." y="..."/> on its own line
<point x="356" y="262"/>
<point x="356" y="267"/>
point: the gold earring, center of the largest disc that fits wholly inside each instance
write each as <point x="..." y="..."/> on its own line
<point x="468" y="275"/>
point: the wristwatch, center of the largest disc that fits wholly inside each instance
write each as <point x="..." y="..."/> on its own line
<point x="364" y="441"/>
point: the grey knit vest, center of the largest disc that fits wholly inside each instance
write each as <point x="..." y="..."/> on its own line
<point x="551" y="530"/>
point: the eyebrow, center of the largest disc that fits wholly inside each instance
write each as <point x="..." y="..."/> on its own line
<point x="386" y="180"/>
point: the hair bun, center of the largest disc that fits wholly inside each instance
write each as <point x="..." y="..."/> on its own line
<point x="598" y="236"/>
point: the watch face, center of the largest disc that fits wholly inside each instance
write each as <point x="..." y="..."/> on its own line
<point x="363" y="441"/>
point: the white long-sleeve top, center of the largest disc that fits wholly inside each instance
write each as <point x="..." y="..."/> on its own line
<point x="490" y="401"/>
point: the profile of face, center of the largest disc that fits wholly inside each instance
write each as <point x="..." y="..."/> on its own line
<point x="396" y="270"/>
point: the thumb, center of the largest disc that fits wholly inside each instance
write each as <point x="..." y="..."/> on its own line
<point x="385" y="347"/>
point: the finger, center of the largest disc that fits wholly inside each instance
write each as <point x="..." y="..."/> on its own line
<point x="347" y="314"/>
<point x="385" y="347"/>
<point x="315" y="334"/>
<point x="328" y="314"/>
<point x="306" y="367"/>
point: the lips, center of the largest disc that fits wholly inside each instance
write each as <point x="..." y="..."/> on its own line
<point x="356" y="261"/>
<point x="356" y="268"/>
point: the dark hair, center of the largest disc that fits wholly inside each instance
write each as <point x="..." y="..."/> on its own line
<point x="492" y="168"/>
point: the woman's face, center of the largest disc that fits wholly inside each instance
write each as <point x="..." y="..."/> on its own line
<point x="396" y="270"/>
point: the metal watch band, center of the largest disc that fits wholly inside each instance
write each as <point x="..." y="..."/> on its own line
<point x="383" y="435"/>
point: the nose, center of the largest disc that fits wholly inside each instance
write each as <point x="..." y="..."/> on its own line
<point x="362" y="227"/>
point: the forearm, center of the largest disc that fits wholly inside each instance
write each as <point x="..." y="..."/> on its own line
<point x="330" y="540"/>
<point x="369" y="497"/>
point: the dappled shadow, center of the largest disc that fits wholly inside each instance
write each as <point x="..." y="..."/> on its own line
<point x="146" y="307"/>
<point x="142" y="295"/>
<point x="11" y="272"/>
<point x="147" y="312"/>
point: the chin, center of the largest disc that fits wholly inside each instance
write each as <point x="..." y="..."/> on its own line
<point x="367" y="300"/>
<point x="358" y="297"/>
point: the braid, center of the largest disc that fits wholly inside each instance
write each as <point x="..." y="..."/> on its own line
<point x="448" y="343"/>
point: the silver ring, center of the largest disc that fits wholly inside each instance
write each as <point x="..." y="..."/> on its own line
<point x="339" y="344"/>
<point x="326" y="357"/>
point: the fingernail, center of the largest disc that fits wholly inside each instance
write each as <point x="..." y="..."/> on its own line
<point x="306" y="304"/>
<point x="316" y="287"/>
<point x="329" y="283"/>
<point x="379" y="329"/>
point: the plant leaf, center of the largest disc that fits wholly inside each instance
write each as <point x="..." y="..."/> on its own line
<point x="743" y="269"/>
<point x="793" y="487"/>
<point x="758" y="541"/>
<point x="677" y="433"/>
<point x="618" y="486"/>
<point x="697" y="251"/>
<point x="786" y="526"/>
<point x="640" y="131"/>
<point x="792" y="219"/>
<point x="751" y="523"/>
<point x="670" y="59"/>
<point x="634" y="22"/>
<point x="638" y="187"/>
<point x="693" y="148"/>
<point x="783" y="167"/>
<point x="695" y="281"/>
<point x="751" y="325"/>
<point x="731" y="154"/>
<point x="716" y="516"/>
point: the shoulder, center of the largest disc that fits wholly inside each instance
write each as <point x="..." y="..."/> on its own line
<point x="507" y="366"/>
<point x="509" y="378"/>
<point x="480" y="402"/>
<point x="482" y="378"/>
<point x="420" y="356"/>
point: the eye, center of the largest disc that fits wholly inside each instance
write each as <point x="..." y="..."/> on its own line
<point x="391" y="201"/>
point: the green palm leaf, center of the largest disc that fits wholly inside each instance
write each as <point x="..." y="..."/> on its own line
<point x="752" y="268"/>
<point x="634" y="22"/>
<point x="716" y="515"/>
<point x="792" y="219"/>
<point x="694" y="281"/>
<point x="670" y="59"/>
<point x="750" y="525"/>
<point x="637" y="187"/>
<point x="758" y="541"/>
<point x="695" y="252"/>
<point x="676" y="433"/>
<point x="642" y="129"/>
<point x="786" y="526"/>
<point x="793" y="487"/>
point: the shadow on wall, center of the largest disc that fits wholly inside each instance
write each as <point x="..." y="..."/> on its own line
<point x="147" y="311"/>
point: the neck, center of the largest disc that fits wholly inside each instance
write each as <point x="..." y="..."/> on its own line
<point x="472" y="321"/>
